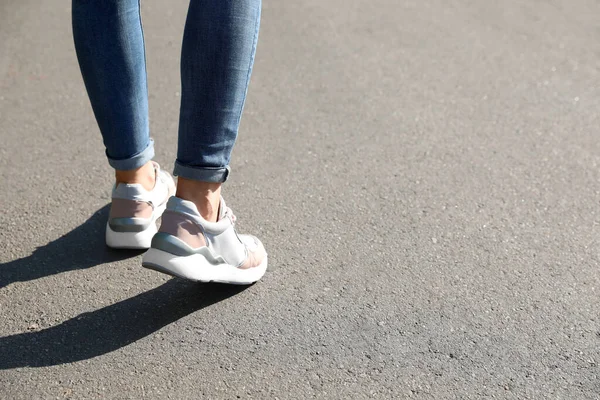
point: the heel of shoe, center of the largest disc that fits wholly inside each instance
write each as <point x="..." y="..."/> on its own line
<point x="130" y="240"/>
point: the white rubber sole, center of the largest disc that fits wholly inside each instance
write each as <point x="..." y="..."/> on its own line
<point x="134" y="240"/>
<point x="196" y="268"/>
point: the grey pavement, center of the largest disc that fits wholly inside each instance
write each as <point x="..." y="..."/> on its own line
<point x="424" y="174"/>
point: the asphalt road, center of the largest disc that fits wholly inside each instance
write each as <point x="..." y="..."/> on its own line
<point x="423" y="173"/>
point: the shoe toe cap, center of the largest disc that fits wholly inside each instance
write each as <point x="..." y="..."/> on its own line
<point x="256" y="251"/>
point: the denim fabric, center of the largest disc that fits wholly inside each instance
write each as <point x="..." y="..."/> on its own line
<point x="217" y="55"/>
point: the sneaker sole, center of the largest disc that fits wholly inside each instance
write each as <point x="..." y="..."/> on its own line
<point x="196" y="268"/>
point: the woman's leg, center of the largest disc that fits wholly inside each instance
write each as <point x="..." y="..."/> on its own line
<point x="197" y="239"/>
<point x="110" y="48"/>
<point x="218" y="49"/>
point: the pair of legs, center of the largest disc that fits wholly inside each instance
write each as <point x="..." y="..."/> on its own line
<point x="217" y="55"/>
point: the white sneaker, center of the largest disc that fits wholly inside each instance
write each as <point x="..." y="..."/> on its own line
<point x="134" y="211"/>
<point x="188" y="246"/>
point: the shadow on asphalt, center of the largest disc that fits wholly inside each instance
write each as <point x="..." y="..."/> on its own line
<point x="83" y="247"/>
<point x="99" y="332"/>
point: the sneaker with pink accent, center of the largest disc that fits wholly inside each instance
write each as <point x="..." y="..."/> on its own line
<point x="188" y="246"/>
<point x="134" y="211"/>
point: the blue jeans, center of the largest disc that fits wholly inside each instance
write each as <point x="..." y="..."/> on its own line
<point x="219" y="43"/>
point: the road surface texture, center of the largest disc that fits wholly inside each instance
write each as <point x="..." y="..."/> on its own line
<point x="424" y="174"/>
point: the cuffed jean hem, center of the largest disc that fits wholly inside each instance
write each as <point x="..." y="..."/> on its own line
<point x="135" y="161"/>
<point x="203" y="174"/>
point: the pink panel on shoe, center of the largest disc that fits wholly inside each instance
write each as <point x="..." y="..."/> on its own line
<point x="181" y="227"/>
<point x="255" y="257"/>
<point x="122" y="208"/>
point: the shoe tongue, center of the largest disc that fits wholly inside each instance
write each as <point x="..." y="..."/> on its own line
<point x="222" y="209"/>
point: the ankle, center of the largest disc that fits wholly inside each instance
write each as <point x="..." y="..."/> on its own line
<point x="144" y="175"/>
<point x="205" y="195"/>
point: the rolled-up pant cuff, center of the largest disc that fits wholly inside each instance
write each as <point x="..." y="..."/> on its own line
<point x="204" y="174"/>
<point x="134" y="161"/>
